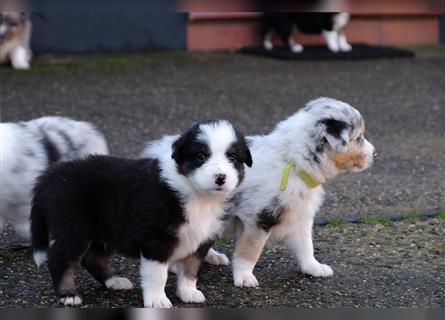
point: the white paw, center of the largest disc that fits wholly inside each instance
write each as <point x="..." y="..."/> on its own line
<point x="267" y="45"/>
<point x="157" y="301"/>
<point x="191" y="295"/>
<point x="245" y="279"/>
<point x="22" y="65"/>
<point x="71" y="301"/>
<point x="119" y="283"/>
<point x="296" y="48"/>
<point x="317" y="269"/>
<point x="217" y="259"/>
<point x="346" y="47"/>
<point x="334" y="47"/>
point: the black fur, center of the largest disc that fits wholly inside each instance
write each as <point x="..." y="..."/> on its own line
<point x="307" y="22"/>
<point x="99" y="205"/>
<point x="120" y="202"/>
<point x="187" y="147"/>
<point x="270" y="216"/>
<point x="52" y="153"/>
<point x="334" y="127"/>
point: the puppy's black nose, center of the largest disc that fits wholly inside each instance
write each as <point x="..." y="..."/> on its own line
<point x="220" y="179"/>
<point x="375" y="154"/>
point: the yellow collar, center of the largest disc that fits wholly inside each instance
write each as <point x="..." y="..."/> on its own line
<point x="302" y="174"/>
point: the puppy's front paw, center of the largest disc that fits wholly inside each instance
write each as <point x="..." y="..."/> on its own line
<point x="268" y="45"/>
<point x="245" y="279"/>
<point x="317" y="269"/>
<point x="216" y="259"/>
<point x="296" y="48"/>
<point x="345" y="47"/>
<point x="119" y="283"/>
<point x="157" y="301"/>
<point x="191" y="295"/>
<point x="70" y="300"/>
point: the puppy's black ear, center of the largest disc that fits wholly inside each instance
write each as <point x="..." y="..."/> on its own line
<point x="248" y="157"/>
<point x="336" y="133"/>
<point x="177" y="148"/>
<point x="245" y="155"/>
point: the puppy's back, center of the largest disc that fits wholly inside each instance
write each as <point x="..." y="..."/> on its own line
<point x="114" y="200"/>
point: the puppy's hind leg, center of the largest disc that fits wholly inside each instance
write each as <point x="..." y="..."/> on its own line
<point x="96" y="261"/>
<point x="343" y="42"/>
<point x="267" y="41"/>
<point x="331" y="38"/>
<point x="21" y="221"/>
<point x="293" y="45"/>
<point x="249" y="245"/>
<point x="62" y="263"/>
<point x="300" y="243"/>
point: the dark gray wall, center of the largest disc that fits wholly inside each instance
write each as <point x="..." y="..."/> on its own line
<point x="107" y="27"/>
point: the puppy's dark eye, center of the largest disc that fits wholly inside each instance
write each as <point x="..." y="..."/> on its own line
<point x="202" y="156"/>
<point x="359" y="138"/>
<point x="232" y="158"/>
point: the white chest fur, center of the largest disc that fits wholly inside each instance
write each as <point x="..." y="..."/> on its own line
<point x="203" y="222"/>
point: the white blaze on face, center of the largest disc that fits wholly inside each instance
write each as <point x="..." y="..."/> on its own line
<point x="218" y="136"/>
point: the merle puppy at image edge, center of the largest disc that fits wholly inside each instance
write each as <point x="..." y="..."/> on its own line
<point x="282" y="192"/>
<point x="15" y="36"/>
<point x="30" y="147"/>
<point x="162" y="210"/>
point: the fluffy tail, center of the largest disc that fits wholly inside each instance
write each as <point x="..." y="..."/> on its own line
<point x="39" y="236"/>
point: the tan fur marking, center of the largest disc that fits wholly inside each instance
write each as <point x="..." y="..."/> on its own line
<point x="249" y="246"/>
<point x="191" y="266"/>
<point x="348" y="160"/>
<point x="67" y="283"/>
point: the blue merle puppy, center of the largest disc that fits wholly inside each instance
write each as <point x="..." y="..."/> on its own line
<point x="27" y="149"/>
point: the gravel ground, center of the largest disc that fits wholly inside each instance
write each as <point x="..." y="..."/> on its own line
<point x="134" y="98"/>
<point x="398" y="265"/>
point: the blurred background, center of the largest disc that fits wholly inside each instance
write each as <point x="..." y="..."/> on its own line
<point x="201" y="25"/>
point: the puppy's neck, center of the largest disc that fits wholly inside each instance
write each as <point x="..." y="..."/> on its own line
<point x="295" y="143"/>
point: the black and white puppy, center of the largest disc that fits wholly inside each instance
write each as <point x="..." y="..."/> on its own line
<point x="15" y="35"/>
<point x="162" y="210"/>
<point x="282" y="192"/>
<point x="27" y="149"/>
<point x="330" y="24"/>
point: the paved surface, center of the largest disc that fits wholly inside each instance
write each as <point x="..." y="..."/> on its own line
<point x="134" y="98"/>
<point x="400" y="265"/>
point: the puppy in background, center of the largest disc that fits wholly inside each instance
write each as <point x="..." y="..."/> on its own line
<point x="331" y="25"/>
<point x="164" y="210"/>
<point x="15" y="35"/>
<point x="27" y="149"/>
<point x="283" y="190"/>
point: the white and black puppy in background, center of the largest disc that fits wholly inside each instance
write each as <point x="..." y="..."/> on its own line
<point x="282" y="192"/>
<point x="15" y="37"/>
<point x="27" y="149"/>
<point x="162" y="210"/>
<point x="330" y="24"/>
